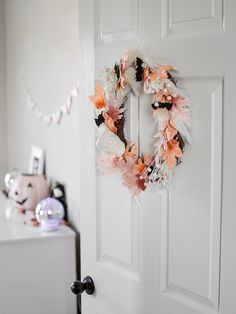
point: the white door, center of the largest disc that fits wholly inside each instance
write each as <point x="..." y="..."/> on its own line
<point x="174" y="252"/>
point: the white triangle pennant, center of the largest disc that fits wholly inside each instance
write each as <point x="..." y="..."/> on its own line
<point x="39" y="114"/>
<point x="47" y="119"/>
<point x="56" y="117"/>
<point x="74" y="92"/>
<point x="64" y="110"/>
<point x="68" y="106"/>
<point x="30" y="103"/>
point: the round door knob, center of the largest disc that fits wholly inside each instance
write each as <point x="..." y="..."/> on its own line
<point x="78" y="287"/>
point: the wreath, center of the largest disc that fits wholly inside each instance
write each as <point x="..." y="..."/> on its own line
<point x="138" y="74"/>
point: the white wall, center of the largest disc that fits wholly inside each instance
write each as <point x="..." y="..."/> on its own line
<point x="3" y="148"/>
<point x="41" y="44"/>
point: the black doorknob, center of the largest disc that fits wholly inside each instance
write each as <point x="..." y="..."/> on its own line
<point x="78" y="287"/>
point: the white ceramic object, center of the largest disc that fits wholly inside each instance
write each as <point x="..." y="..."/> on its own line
<point x="109" y="141"/>
<point x="28" y="190"/>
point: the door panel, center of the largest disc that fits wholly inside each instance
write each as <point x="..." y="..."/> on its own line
<point x="160" y="253"/>
<point x="117" y="226"/>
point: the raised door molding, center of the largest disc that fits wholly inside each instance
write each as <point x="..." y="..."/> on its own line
<point x="187" y="18"/>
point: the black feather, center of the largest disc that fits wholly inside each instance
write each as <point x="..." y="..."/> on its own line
<point x="139" y="69"/>
<point x="155" y="105"/>
<point x="117" y="71"/>
<point x="179" y="139"/>
<point x="166" y="105"/>
<point x="99" y="120"/>
<point x="62" y="198"/>
<point x="170" y="77"/>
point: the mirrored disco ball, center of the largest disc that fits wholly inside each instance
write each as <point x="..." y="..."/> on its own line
<point x="49" y="213"/>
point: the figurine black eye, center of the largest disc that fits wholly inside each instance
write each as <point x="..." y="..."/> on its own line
<point x="29" y="185"/>
<point x="16" y="193"/>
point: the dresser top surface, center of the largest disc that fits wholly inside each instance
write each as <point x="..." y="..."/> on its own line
<point x="13" y="227"/>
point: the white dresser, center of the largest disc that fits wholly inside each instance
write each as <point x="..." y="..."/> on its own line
<point x="36" y="268"/>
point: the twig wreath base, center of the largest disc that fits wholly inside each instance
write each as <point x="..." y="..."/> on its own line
<point x="138" y="74"/>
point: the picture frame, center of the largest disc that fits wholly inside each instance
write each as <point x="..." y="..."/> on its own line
<point x="37" y="160"/>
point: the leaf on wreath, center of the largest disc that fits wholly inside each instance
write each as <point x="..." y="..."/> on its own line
<point x="139" y="167"/>
<point x="131" y="151"/>
<point x="99" y="98"/>
<point x="115" y="113"/>
<point x="109" y="122"/>
<point x="170" y="131"/>
<point x="172" y="153"/>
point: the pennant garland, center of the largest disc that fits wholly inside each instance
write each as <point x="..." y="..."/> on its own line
<point x="55" y="117"/>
